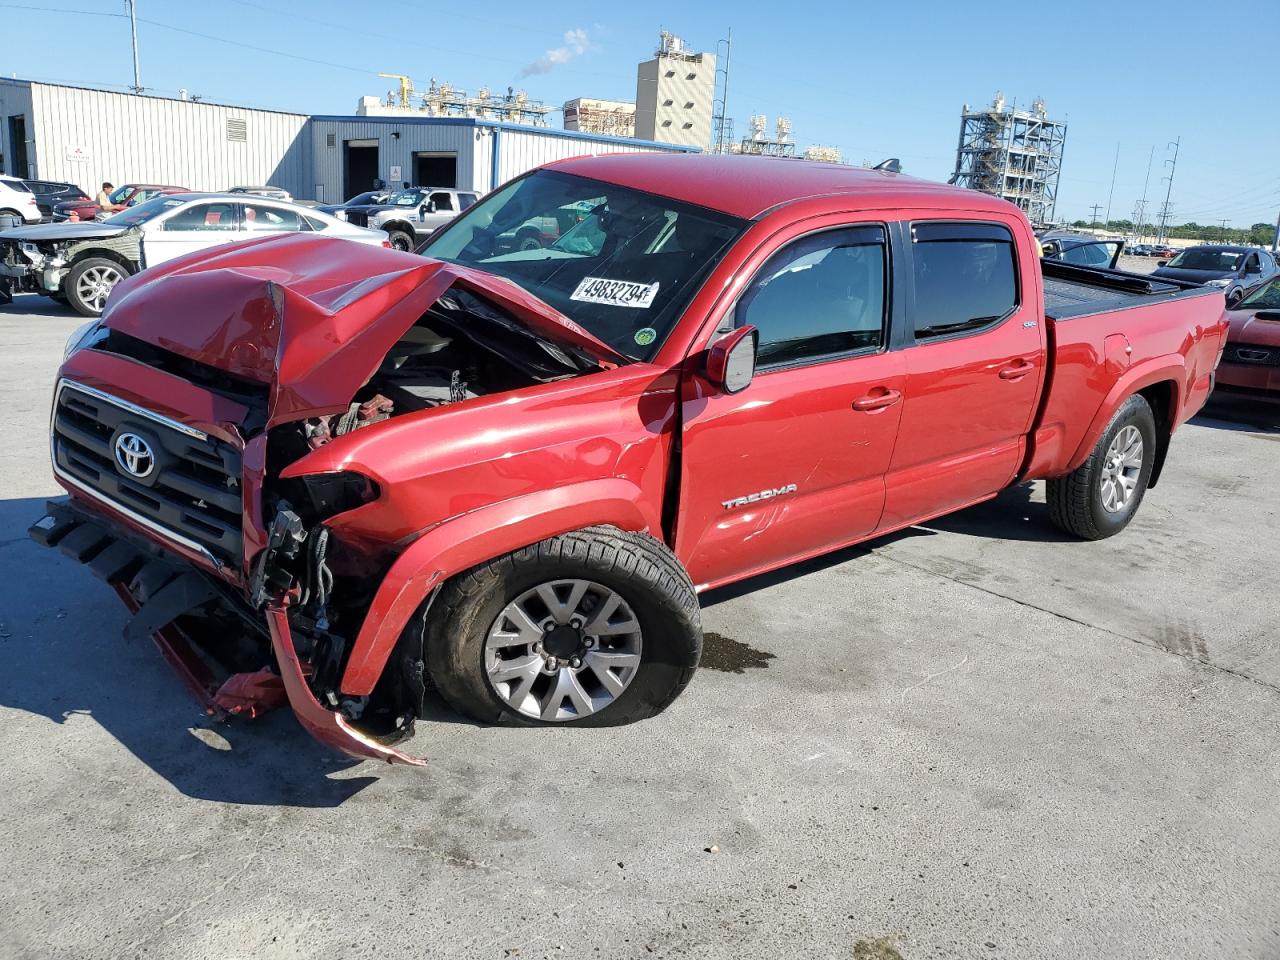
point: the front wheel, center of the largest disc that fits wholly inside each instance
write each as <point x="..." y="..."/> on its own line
<point x="1100" y="497"/>
<point x="89" y="284"/>
<point x="597" y="627"/>
<point x="1234" y="297"/>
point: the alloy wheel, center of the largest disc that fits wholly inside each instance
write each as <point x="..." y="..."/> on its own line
<point x="1121" y="468"/>
<point x="563" y="650"/>
<point x="95" y="285"/>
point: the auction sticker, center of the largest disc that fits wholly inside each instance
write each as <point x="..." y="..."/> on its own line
<point x="646" y="336"/>
<point x="615" y="293"/>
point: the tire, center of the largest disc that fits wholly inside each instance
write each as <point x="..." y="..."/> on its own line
<point x="400" y="240"/>
<point x="1234" y="297"/>
<point x="1078" y="503"/>
<point x="529" y="240"/>
<point x="90" y="282"/>
<point x="654" y="595"/>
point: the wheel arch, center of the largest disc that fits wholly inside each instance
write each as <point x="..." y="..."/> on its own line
<point x="1162" y="397"/>
<point x="1162" y="379"/>
<point x="472" y="538"/>
<point x="404" y="226"/>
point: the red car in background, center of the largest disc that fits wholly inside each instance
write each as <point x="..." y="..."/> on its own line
<point x="124" y="196"/>
<point x="1251" y="363"/>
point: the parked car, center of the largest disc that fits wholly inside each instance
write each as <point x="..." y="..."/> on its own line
<point x="1234" y="270"/>
<point x="49" y="193"/>
<point x="129" y="195"/>
<point x="370" y="198"/>
<point x="1140" y="250"/>
<point x="1160" y="250"/>
<point x="17" y="200"/>
<point x="1251" y="363"/>
<point x="81" y="263"/>
<point x="271" y="193"/>
<point x="506" y="476"/>
<point x="409" y="216"/>
<point x="1085" y="250"/>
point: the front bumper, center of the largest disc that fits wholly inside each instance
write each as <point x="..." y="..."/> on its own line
<point x="159" y="589"/>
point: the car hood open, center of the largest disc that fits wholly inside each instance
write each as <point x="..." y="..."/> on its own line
<point x="311" y="316"/>
<point x="47" y="232"/>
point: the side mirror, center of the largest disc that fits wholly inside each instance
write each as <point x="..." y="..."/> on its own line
<point x="429" y="207"/>
<point x="731" y="361"/>
<point x="1161" y="263"/>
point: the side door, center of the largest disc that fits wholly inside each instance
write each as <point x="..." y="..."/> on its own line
<point x="196" y="226"/>
<point x="975" y="356"/>
<point x="437" y="210"/>
<point x="794" y="464"/>
<point x="266" y="219"/>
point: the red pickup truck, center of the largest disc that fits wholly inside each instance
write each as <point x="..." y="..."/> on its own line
<point x="344" y="476"/>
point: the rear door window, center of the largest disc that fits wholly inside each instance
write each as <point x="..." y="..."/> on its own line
<point x="965" y="277"/>
<point x="261" y="218"/>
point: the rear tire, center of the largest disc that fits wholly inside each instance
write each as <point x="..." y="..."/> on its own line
<point x="652" y="630"/>
<point x="1100" y="497"/>
<point x="400" y="240"/>
<point x="89" y="284"/>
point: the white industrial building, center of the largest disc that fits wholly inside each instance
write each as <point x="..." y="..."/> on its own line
<point x="86" y="136"/>
<point x="675" y="92"/>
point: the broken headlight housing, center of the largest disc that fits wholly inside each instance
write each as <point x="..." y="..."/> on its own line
<point x="328" y="494"/>
<point x="80" y="337"/>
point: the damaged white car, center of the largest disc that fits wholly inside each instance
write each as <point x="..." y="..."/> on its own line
<point x="80" y="263"/>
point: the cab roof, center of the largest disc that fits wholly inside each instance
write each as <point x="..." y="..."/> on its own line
<point x="748" y="186"/>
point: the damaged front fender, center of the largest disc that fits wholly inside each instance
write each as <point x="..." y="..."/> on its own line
<point x="325" y="725"/>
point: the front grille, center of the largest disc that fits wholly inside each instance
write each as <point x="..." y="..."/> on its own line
<point x="1253" y="354"/>
<point x="192" y="491"/>
<point x="359" y="219"/>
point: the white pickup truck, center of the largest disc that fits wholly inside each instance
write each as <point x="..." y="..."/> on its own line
<point x="410" y="216"/>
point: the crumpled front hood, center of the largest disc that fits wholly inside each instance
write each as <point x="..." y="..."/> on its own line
<point x="50" y="232"/>
<point x="311" y="316"/>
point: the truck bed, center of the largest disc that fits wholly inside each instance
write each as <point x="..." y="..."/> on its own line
<point x="1071" y="290"/>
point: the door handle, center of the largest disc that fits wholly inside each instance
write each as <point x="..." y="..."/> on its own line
<point x="1016" y="371"/>
<point x="877" y="401"/>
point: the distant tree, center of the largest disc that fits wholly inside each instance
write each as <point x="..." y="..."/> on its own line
<point x="1080" y="223"/>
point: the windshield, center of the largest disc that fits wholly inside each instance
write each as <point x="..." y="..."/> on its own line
<point x="132" y="216"/>
<point x="1266" y="297"/>
<point x="620" y="263"/>
<point x="406" y="198"/>
<point x="119" y="193"/>
<point x="1198" y="258"/>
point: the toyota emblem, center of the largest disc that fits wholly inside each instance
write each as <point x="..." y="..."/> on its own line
<point x="134" y="455"/>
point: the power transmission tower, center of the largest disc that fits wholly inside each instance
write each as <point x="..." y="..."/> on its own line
<point x="1140" y="213"/>
<point x="1095" y="208"/>
<point x="1173" y="166"/>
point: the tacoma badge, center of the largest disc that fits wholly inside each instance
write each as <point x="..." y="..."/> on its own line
<point x="757" y="497"/>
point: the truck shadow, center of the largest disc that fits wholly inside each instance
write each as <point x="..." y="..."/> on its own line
<point x="1241" y="414"/>
<point x="66" y="661"/>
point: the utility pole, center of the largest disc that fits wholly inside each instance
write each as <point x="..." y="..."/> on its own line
<point x="1275" y="242"/>
<point x="1142" y="204"/>
<point x="1114" y="167"/>
<point x="1169" y="189"/>
<point x="1224" y="229"/>
<point x="133" y="27"/>
<point x="1165" y="215"/>
<point x="1095" y="208"/>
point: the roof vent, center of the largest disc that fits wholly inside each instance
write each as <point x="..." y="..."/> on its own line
<point x="237" y="129"/>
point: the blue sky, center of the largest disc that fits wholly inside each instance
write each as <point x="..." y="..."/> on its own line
<point x="877" y="80"/>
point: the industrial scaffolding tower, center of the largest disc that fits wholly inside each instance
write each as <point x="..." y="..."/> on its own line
<point x="1013" y="154"/>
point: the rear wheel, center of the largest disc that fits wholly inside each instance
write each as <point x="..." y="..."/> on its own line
<point x="1100" y="497"/>
<point x="90" y="282"/>
<point x="400" y="240"/>
<point x="594" y="628"/>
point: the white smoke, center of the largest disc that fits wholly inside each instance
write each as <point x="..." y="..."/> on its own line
<point x="576" y="43"/>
